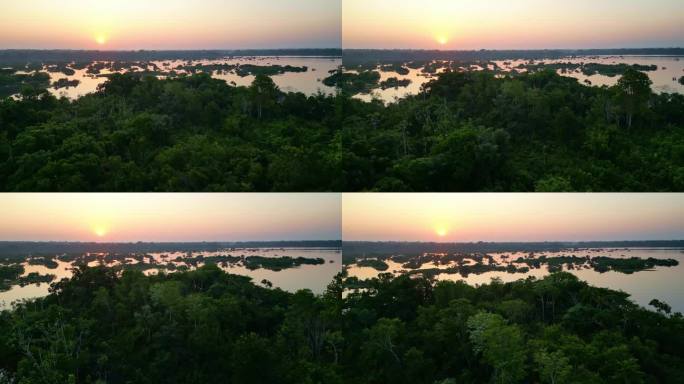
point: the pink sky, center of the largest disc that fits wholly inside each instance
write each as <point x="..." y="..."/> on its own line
<point x="505" y="24"/>
<point x="169" y="217"/>
<point x="170" y="24"/>
<point x="462" y="217"/>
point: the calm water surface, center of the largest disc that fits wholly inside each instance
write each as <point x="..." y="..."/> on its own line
<point x="313" y="277"/>
<point x="308" y="82"/>
<point x="670" y="69"/>
<point x="663" y="283"/>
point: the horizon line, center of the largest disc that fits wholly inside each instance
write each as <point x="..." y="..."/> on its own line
<point x="338" y="240"/>
<point x="169" y="49"/>
<point x="336" y="48"/>
<point x="507" y="49"/>
<point x="509" y="241"/>
<point x="165" y="241"/>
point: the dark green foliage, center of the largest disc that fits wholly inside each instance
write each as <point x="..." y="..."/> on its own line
<point x="600" y="263"/>
<point x="630" y="265"/>
<point x="378" y="265"/>
<point x="9" y="274"/>
<point x="589" y="69"/>
<point x="65" y="83"/>
<point x="203" y="326"/>
<point x="394" y="82"/>
<point x="47" y="261"/>
<point x="12" y="275"/>
<point x="60" y="68"/>
<point x="267" y="70"/>
<point x="187" y="134"/>
<point x="395" y="67"/>
<point x="208" y="326"/>
<point x="353" y="83"/>
<point x="660" y="306"/>
<point x="35" y="278"/>
<point x="279" y="263"/>
<point x="465" y="132"/>
<point x="555" y="330"/>
<point x="11" y="83"/>
<point x="475" y="132"/>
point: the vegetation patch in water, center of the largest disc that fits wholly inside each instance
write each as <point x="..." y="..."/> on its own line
<point x="478" y="263"/>
<point x="65" y="83"/>
<point x="12" y="275"/>
<point x="46" y="261"/>
<point x="354" y="83"/>
<point x="394" y="82"/>
<point x="395" y="67"/>
<point x="267" y="70"/>
<point x="9" y="274"/>
<point x="12" y="83"/>
<point x="378" y="265"/>
<point x="588" y="69"/>
<point x="279" y="263"/>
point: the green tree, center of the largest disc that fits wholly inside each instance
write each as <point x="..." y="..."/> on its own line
<point x="634" y="90"/>
<point x="264" y="93"/>
<point x="553" y="367"/>
<point x="501" y="345"/>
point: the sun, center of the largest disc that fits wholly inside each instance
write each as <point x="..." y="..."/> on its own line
<point x="100" y="231"/>
<point x="441" y="231"/>
<point x="442" y="40"/>
<point x="101" y="39"/>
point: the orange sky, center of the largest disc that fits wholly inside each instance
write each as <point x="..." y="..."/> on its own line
<point x="512" y="217"/>
<point x="170" y="24"/>
<point x="506" y="24"/>
<point x="169" y="217"/>
<point x="374" y="216"/>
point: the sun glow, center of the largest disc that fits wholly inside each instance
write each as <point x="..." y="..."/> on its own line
<point x="101" y="39"/>
<point x="502" y="24"/>
<point x="100" y="231"/>
<point x="441" y="231"/>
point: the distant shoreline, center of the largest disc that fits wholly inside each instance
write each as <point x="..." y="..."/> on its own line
<point x="577" y="244"/>
<point x="352" y="249"/>
<point x="19" y="248"/>
<point x="23" y="56"/>
<point x="363" y="56"/>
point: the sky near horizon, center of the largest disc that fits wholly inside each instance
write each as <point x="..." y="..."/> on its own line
<point x="506" y="24"/>
<point x="122" y="217"/>
<point x="170" y="24"/>
<point x="465" y="217"/>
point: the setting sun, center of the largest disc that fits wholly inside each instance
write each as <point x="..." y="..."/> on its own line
<point x="441" y="231"/>
<point x="101" y="39"/>
<point x="100" y="231"/>
<point x="497" y="24"/>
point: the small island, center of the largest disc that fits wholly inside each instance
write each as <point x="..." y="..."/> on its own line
<point x="13" y="275"/>
<point x="378" y="265"/>
<point x="477" y="263"/>
<point x="65" y="83"/>
<point x="394" y="82"/>
<point x="267" y="70"/>
<point x="12" y="83"/>
<point x="354" y="83"/>
<point x="395" y="67"/>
